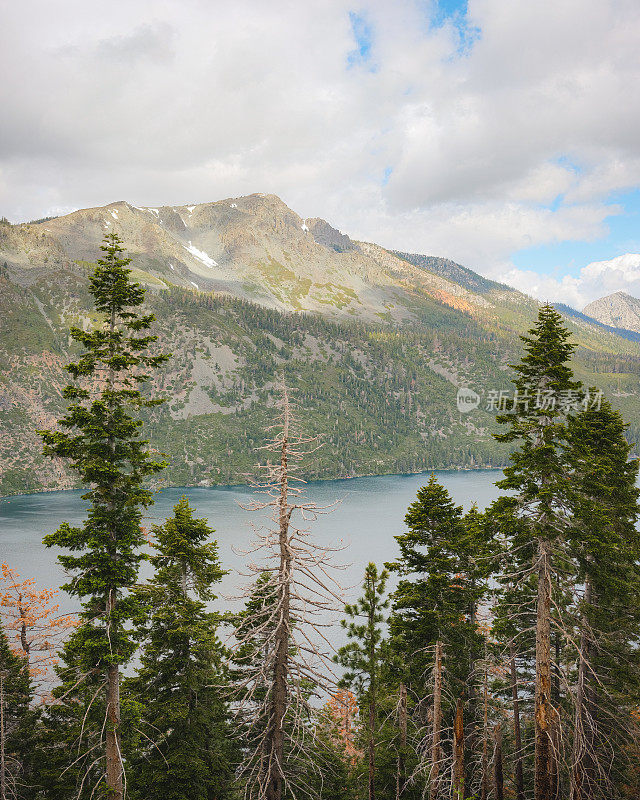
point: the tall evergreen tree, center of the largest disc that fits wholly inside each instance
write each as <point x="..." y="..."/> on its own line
<point x="443" y="566"/>
<point x="187" y="746"/>
<point x="100" y="439"/>
<point x="362" y="656"/>
<point x="15" y="717"/>
<point x="537" y="477"/>
<point x="606" y="546"/>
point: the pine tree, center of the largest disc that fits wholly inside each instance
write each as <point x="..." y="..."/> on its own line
<point x="15" y="716"/>
<point x="186" y="747"/>
<point x="444" y="561"/>
<point x="100" y="439"/>
<point x="606" y="546"/>
<point x="537" y="476"/>
<point x="363" y="654"/>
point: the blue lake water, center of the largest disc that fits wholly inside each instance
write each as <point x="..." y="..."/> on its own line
<point x="368" y="514"/>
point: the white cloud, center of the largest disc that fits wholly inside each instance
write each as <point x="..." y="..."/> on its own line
<point x="178" y="102"/>
<point x="596" y="280"/>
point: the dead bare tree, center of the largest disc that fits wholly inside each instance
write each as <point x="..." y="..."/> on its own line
<point x="517" y="729"/>
<point x="458" y="752"/>
<point x="3" y="765"/>
<point x="434" y="776"/>
<point x="498" y="781"/>
<point x="285" y="653"/>
<point x="402" y="724"/>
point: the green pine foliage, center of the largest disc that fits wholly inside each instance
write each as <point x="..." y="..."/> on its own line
<point x="186" y="750"/>
<point x="446" y="559"/>
<point x="100" y="439"/>
<point x="605" y="545"/>
<point x="18" y="721"/>
<point x="362" y="658"/>
<point x="534" y="522"/>
<point x="553" y="566"/>
<point x="443" y="565"/>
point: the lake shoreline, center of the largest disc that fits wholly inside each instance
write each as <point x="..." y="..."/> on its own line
<point x="236" y="485"/>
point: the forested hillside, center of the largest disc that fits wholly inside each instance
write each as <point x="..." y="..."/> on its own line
<point x="503" y="662"/>
<point x="380" y="385"/>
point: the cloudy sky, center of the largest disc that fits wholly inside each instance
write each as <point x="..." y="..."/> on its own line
<point x="504" y="134"/>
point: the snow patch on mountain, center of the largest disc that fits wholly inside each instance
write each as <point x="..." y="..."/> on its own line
<point x="203" y="257"/>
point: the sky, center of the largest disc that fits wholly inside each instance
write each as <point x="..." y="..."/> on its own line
<point x="503" y="134"/>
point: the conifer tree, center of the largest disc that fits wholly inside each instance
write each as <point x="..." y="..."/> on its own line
<point x="15" y="694"/>
<point x="362" y="656"/>
<point x="537" y="477"/>
<point x="443" y="566"/>
<point x="100" y="439"/>
<point x="186" y="747"/>
<point x="606" y="546"/>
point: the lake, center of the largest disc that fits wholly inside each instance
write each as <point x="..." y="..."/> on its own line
<point x="368" y="514"/>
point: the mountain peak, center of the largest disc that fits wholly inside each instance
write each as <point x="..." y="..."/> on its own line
<point x="256" y="248"/>
<point x="619" y="310"/>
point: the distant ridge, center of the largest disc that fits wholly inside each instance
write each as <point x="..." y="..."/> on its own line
<point x="619" y="310"/>
<point x="624" y="333"/>
<point x="453" y="272"/>
<point x="226" y="281"/>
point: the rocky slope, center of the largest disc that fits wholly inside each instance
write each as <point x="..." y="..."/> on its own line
<point x="619" y="310"/>
<point x="375" y="360"/>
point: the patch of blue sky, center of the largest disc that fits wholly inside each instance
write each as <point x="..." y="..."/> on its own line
<point x="363" y="35"/>
<point x="568" y="257"/>
<point x="454" y="12"/>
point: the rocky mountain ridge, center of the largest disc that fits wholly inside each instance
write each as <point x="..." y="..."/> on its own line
<point x="619" y="310"/>
<point x="254" y="248"/>
<point x="373" y="343"/>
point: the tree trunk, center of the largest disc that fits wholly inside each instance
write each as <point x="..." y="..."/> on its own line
<point x="497" y="764"/>
<point x="3" y="767"/>
<point x="372" y="746"/>
<point x="434" y="777"/>
<point x="24" y="642"/>
<point x="400" y="774"/>
<point x="458" y="752"/>
<point x="275" y="738"/>
<point x="472" y="705"/>
<point x="581" y="737"/>
<point x="555" y="722"/>
<point x="543" y="789"/>
<point x="372" y="698"/>
<point x="114" y="770"/>
<point x="114" y="757"/>
<point x="484" y="785"/>
<point x="517" y="732"/>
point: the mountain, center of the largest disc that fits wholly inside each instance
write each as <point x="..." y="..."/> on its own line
<point x="570" y="313"/>
<point x="254" y="248"/>
<point x="373" y="343"/>
<point x="619" y="310"/>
